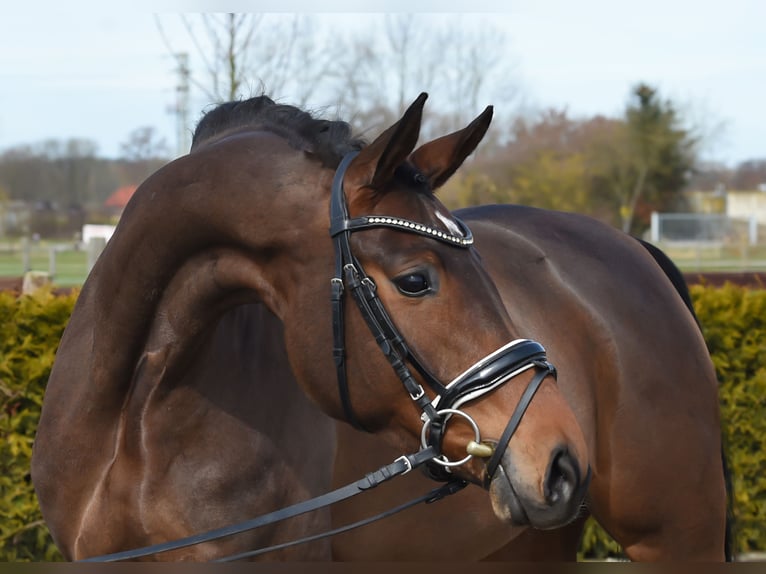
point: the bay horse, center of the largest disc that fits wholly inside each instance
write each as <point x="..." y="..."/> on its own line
<point x="223" y="323"/>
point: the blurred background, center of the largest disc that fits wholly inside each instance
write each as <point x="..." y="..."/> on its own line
<point x="645" y="115"/>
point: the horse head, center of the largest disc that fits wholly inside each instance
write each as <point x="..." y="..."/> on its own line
<point x="429" y="355"/>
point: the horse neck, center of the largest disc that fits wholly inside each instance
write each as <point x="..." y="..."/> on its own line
<point x="217" y="228"/>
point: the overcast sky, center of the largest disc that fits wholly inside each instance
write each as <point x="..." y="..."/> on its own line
<point x="75" y="69"/>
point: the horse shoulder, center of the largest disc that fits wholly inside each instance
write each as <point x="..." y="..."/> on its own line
<point x="632" y="363"/>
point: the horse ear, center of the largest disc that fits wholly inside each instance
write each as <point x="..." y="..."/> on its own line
<point x="440" y="158"/>
<point x="375" y="164"/>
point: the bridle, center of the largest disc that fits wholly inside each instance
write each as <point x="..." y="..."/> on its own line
<point x="481" y="378"/>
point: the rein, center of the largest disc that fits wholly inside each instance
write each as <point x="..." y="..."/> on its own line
<point x="484" y="376"/>
<point x="399" y="467"/>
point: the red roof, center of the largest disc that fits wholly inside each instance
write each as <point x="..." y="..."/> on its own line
<point x="121" y="197"/>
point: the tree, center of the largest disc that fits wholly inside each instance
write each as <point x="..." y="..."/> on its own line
<point x="659" y="155"/>
<point x="141" y="154"/>
<point x="548" y="161"/>
<point x="73" y="164"/>
<point x="616" y="169"/>
<point x="445" y="56"/>
<point x="472" y="57"/>
<point x="223" y="47"/>
<point x="53" y="170"/>
<point x="376" y="81"/>
<point x="144" y="144"/>
<point x="370" y="74"/>
<point x="750" y="175"/>
<point x="64" y="174"/>
<point x="242" y="54"/>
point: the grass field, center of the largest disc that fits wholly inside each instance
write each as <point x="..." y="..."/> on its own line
<point x="69" y="268"/>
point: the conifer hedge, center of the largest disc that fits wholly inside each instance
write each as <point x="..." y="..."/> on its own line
<point x="734" y="325"/>
<point x="30" y="329"/>
<point x="733" y="322"/>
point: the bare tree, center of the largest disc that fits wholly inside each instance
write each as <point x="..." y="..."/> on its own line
<point x="222" y="44"/>
<point x="475" y="72"/>
<point x="462" y="66"/>
<point x="369" y="73"/>
<point x="242" y="54"/>
<point x="376" y="81"/>
<point x="72" y="162"/>
<point x="141" y="154"/>
<point x="144" y="144"/>
<point x="402" y="35"/>
<point x="361" y="87"/>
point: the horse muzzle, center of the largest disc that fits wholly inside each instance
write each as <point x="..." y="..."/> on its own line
<point x="556" y="499"/>
<point x="554" y="503"/>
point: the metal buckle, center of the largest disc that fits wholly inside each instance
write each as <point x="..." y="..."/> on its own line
<point x="370" y="284"/>
<point x="418" y="393"/>
<point x="406" y="462"/>
<point x="351" y="270"/>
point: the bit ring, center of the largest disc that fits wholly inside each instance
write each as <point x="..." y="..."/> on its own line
<point x="443" y="460"/>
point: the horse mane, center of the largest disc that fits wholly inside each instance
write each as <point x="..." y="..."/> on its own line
<point x="329" y="140"/>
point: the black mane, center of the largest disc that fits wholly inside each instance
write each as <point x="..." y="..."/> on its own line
<point x="329" y="140"/>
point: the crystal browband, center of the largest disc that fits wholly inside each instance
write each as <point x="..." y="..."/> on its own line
<point x="356" y="223"/>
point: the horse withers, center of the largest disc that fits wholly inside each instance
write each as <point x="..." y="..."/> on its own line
<point x="173" y="406"/>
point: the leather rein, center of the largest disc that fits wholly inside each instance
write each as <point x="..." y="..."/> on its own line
<point x="484" y="376"/>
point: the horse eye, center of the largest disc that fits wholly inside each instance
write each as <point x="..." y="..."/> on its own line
<point x="413" y="284"/>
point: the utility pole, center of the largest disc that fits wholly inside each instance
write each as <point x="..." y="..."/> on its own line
<point x="182" y="104"/>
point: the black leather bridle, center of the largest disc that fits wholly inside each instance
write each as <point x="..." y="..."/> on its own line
<point x="481" y="378"/>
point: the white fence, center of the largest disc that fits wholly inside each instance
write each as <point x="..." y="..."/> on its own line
<point x="708" y="242"/>
<point x="93" y="231"/>
<point x="703" y="228"/>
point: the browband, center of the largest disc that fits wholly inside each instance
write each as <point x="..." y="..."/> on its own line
<point x="369" y="221"/>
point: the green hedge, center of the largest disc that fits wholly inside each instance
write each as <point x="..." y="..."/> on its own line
<point x="733" y="321"/>
<point x="734" y="324"/>
<point x="30" y="329"/>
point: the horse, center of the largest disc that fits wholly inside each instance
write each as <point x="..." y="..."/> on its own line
<point x="286" y="307"/>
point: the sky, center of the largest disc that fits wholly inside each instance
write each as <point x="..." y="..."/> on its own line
<point x="78" y="70"/>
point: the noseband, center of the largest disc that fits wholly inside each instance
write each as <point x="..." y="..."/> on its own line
<point x="484" y="376"/>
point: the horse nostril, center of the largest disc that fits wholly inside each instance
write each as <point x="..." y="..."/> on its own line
<point x="563" y="477"/>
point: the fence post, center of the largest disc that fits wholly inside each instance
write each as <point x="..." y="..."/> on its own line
<point x="752" y="230"/>
<point x="95" y="247"/>
<point x="655" y="227"/>
<point x="52" y="262"/>
<point x="25" y="256"/>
